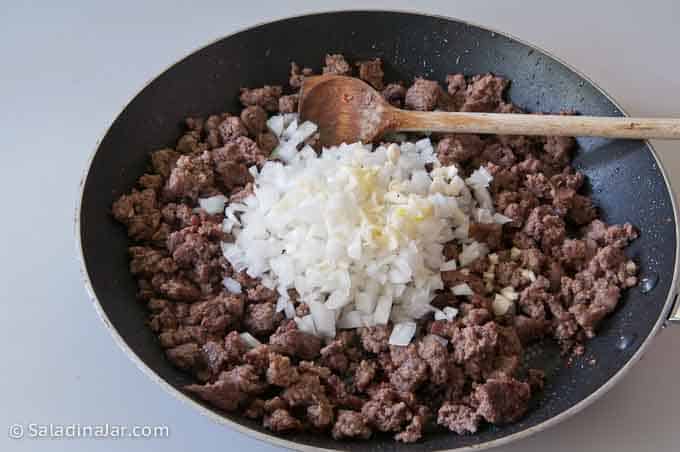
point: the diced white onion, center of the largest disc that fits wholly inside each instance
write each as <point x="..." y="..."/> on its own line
<point x="213" y="205"/>
<point x="402" y="333"/>
<point x="462" y="289"/>
<point x="232" y="285"/>
<point x="249" y="340"/>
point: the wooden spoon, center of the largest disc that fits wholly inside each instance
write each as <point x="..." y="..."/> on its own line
<point x="347" y="110"/>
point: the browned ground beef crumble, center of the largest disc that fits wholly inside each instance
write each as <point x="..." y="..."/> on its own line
<point x="358" y="384"/>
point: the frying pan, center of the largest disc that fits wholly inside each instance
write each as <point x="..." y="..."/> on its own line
<point x="625" y="178"/>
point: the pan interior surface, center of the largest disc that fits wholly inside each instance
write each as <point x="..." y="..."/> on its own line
<point x="624" y="179"/>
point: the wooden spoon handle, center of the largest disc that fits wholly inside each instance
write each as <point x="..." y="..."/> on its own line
<point x="521" y="124"/>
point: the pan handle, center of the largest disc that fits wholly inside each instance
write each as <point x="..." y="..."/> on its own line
<point x="674" y="316"/>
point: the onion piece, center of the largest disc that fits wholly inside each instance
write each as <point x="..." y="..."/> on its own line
<point x="324" y="318"/>
<point x="462" y="289"/>
<point x="402" y="333"/>
<point x="232" y="285"/>
<point x="249" y="340"/>
<point x="213" y="205"/>
<point x="306" y="324"/>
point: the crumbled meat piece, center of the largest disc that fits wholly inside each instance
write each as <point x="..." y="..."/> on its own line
<point x="364" y="375"/>
<point x="321" y="414"/>
<point x="231" y="389"/>
<point x="145" y="260"/>
<point x="394" y="93"/>
<point x="454" y="149"/>
<point x="474" y="347"/>
<point x="386" y="415"/>
<point x="281" y="372"/>
<point x="179" y="289"/>
<point x="218" y="314"/>
<point x="413" y="431"/>
<point x="484" y="93"/>
<point x="306" y="391"/>
<point x="288" y="104"/>
<point x="234" y="348"/>
<point x="375" y="339"/>
<point x="152" y="181"/>
<point x="254" y="118"/>
<point x="190" y="142"/>
<point x="139" y="212"/>
<point x="261" y="318"/>
<point x="410" y="374"/>
<point x="423" y="95"/>
<point x="502" y="400"/>
<point x="240" y="150"/>
<point x="296" y="343"/>
<point x="456" y="87"/>
<point x="557" y="151"/>
<point x="163" y="161"/>
<point x="333" y="357"/>
<point x="350" y="424"/>
<point x="261" y="293"/>
<point x="297" y="76"/>
<point x="192" y="176"/>
<point x="258" y="357"/>
<point x="437" y="358"/>
<point x="232" y="128"/>
<point x="186" y="356"/>
<point x="266" y="97"/>
<point x="336" y="64"/>
<point x="491" y="234"/>
<point x="458" y="418"/>
<point x="281" y="421"/>
<point x="371" y="71"/>
<point x="255" y="410"/>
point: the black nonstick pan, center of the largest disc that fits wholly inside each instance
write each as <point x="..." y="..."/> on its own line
<point x="625" y="177"/>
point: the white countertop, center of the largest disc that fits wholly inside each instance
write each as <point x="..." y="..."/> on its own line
<point x="66" y="71"/>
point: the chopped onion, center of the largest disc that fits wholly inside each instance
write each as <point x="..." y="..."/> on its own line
<point x="306" y="324"/>
<point x="324" y="318"/>
<point x="501" y="219"/>
<point x="501" y="305"/>
<point x="352" y="319"/>
<point x="510" y="293"/>
<point x="213" y="205"/>
<point x="472" y="252"/>
<point x="249" y="340"/>
<point x="402" y="333"/>
<point x="382" y="310"/>
<point x="450" y="313"/>
<point x="232" y="285"/>
<point x="462" y="289"/>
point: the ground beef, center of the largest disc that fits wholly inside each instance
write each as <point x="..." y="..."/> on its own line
<point x="569" y="270"/>
<point x="394" y="93"/>
<point x="193" y="175"/>
<point x="139" y="211"/>
<point x="261" y="318"/>
<point x="336" y="64"/>
<point x="288" y="104"/>
<point x="350" y="424"/>
<point x="371" y="71"/>
<point x="281" y="421"/>
<point x="502" y="401"/>
<point x="458" y="418"/>
<point x="423" y="95"/>
<point x="296" y="343"/>
<point x="266" y="97"/>
<point x="365" y="373"/>
<point x="281" y="372"/>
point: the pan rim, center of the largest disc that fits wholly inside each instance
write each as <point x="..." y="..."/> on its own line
<point x="283" y="442"/>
